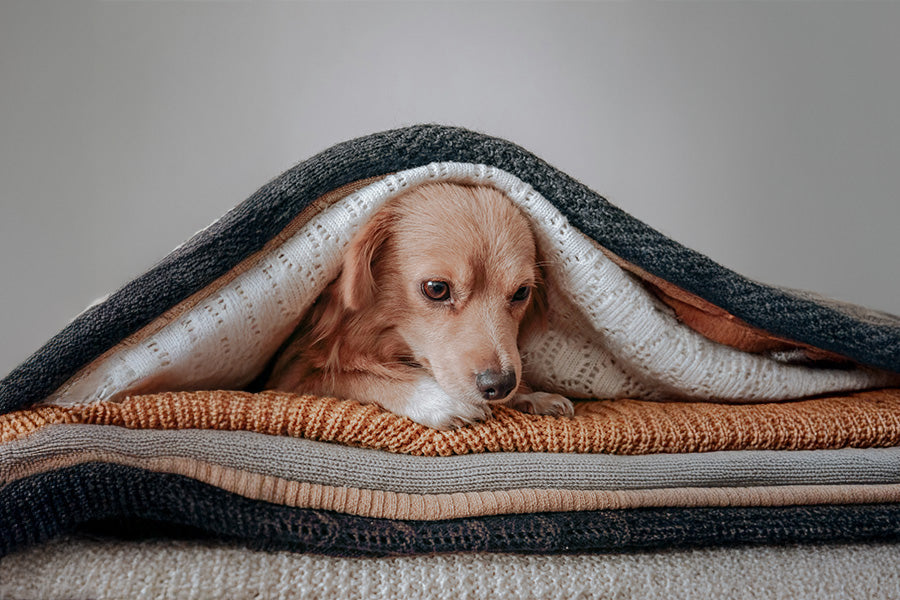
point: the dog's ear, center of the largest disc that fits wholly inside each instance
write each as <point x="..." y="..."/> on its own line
<point x="536" y="314"/>
<point x="357" y="287"/>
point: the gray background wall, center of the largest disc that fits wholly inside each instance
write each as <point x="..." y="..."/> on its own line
<point x="766" y="135"/>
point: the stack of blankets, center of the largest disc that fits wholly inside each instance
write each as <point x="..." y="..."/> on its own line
<point x="728" y="436"/>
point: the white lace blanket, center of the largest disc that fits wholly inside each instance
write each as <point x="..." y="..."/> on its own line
<point x="608" y="336"/>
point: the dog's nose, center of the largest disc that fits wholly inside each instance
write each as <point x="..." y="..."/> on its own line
<point x="495" y="384"/>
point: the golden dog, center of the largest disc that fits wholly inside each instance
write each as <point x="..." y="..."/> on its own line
<point x="425" y="317"/>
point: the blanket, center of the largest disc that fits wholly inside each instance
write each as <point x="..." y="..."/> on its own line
<point x="863" y="419"/>
<point x="91" y="568"/>
<point x="713" y="410"/>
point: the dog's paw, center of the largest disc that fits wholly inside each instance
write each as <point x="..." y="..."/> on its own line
<point x="431" y="406"/>
<point x="543" y="403"/>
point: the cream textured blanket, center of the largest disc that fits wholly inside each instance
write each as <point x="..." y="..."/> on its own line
<point x="608" y="336"/>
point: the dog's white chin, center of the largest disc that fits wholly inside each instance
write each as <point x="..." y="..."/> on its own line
<point x="430" y="405"/>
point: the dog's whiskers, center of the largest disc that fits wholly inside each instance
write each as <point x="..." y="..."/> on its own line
<point x="547" y="263"/>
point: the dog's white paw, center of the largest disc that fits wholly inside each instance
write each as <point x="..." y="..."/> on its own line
<point x="431" y="406"/>
<point x="543" y="403"/>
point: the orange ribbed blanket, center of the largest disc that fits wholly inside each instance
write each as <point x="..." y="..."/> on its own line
<point x="864" y="419"/>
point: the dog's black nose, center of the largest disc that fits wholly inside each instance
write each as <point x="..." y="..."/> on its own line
<point x="495" y="384"/>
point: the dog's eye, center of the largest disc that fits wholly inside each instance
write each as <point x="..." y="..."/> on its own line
<point x="521" y="294"/>
<point x="436" y="290"/>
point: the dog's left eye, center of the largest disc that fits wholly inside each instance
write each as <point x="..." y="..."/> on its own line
<point x="436" y="290"/>
<point x="521" y="294"/>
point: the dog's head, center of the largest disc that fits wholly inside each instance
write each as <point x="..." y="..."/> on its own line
<point x="453" y="271"/>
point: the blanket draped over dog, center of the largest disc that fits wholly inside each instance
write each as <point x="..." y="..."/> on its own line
<point x="715" y="410"/>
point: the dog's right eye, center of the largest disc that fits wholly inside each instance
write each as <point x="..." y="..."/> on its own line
<point x="438" y="291"/>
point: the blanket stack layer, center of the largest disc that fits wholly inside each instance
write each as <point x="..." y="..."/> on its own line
<point x="718" y="419"/>
<point x="859" y="420"/>
<point x="88" y="568"/>
<point x="347" y="479"/>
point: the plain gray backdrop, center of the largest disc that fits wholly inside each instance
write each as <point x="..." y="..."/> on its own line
<point x="765" y="135"/>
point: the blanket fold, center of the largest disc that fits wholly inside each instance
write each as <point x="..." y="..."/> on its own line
<point x="337" y="465"/>
<point x="95" y="491"/>
<point x="864" y="419"/>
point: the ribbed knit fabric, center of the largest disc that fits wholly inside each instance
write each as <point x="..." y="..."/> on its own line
<point x="865" y="419"/>
<point x="92" y="492"/>
<point x="433" y="507"/>
<point x="337" y="465"/>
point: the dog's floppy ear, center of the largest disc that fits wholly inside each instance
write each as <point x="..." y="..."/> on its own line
<point x="357" y="287"/>
<point x="536" y="315"/>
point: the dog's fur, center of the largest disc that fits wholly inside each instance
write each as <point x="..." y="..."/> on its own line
<point x="375" y="335"/>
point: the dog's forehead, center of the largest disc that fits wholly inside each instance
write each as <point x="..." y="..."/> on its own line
<point x="473" y="240"/>
<point x="462" y="214"/>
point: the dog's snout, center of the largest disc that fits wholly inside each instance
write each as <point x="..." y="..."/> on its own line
<point x="494" y="385"/>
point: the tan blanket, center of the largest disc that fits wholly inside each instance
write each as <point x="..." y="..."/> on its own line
<point x="859" y="420"/>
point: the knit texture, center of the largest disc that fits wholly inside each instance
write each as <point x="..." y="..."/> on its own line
<point x="94" y="491"/>
<point x="433" y="507"/>
<point x="607" y="336"/>
<point x="337" y="465"/>
<point x="211" y="314"/>
<point x="515" y="499"/>
<point x="865" y="336"/>
<point x="153" y="570"/>
<point x="865" y="419"/>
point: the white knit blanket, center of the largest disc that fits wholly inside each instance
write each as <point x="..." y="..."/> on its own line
<point x="608" y="337"/>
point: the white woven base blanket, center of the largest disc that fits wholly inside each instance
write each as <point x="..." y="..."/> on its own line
<point x="85" y="568"/>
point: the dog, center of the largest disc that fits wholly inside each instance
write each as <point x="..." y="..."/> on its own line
<point x="424" y="319"/>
